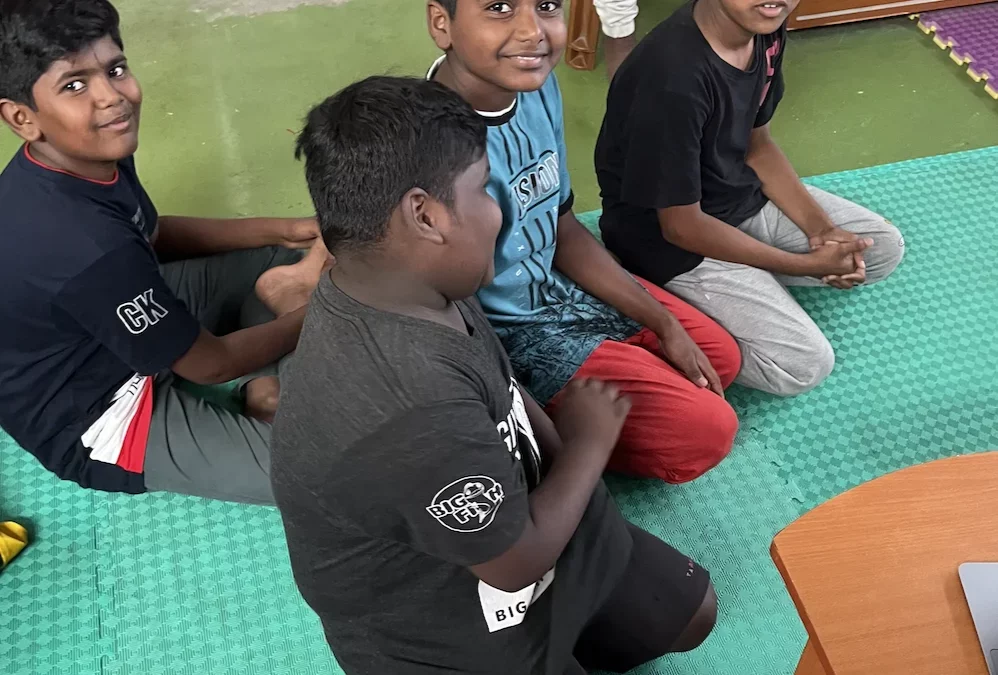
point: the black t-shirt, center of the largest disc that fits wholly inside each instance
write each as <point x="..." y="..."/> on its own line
<point x="86" y="317"/>
<point x="402" y="455"/>
<point x="676" y="132"/>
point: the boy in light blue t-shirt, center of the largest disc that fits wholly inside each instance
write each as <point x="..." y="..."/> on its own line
<point x="545" y="319"/>
<point x="562" y="306"/>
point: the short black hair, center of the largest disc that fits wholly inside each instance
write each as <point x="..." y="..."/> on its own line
<point x="449" y="5"/>
<point x="34" y="34"/>
<point x="375" y="140"/>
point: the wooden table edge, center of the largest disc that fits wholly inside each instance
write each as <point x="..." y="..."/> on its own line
<point x="813" y="641"/>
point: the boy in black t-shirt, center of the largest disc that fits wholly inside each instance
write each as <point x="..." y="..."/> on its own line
<point x="95" y="331"/>
<point x="437" y="519"/>
<point x="698" y="197"/>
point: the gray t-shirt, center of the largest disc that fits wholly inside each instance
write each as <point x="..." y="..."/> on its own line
<point x="402" y="455"/>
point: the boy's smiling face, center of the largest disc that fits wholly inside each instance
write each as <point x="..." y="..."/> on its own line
<point x="86" y="109"/>
<point x="759" y="17"/>
<point x="512" y="45"/>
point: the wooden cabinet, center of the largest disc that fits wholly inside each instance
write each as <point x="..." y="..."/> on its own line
<point x="810" y="13"/>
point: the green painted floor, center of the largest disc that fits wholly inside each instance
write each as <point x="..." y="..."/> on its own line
<point x="223" y="98"/>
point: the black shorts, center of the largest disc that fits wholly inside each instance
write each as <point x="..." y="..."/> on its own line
<point x="658" y="595"/>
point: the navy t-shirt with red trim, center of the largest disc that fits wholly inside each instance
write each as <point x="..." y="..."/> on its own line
<point x="84" y="311"/>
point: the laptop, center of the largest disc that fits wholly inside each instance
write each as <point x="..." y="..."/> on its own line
<point x="980" y="585"/>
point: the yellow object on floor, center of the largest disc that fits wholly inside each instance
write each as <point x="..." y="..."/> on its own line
<point x="13" y="539"/>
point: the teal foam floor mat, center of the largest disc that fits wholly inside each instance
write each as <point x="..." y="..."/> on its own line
<point x="162" y="584"/>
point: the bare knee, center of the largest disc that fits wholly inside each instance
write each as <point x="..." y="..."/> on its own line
<point x="700" y="626"/>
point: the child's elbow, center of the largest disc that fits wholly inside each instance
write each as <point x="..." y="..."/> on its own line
<point x="674" y="224"/>
<point x="207" y="363"/>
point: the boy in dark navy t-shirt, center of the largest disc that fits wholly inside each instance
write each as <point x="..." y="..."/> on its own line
<point x="96" y="331"/>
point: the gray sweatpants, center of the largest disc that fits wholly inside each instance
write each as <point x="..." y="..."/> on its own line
<point x="196" y="447"/>
<point x="783" y="350"/>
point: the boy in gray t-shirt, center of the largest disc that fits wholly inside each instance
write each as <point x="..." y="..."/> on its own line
<point x="437" y="519"/>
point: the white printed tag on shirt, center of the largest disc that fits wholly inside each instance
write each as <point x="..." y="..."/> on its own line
<point x="504" y="610"/>
<point x="106" y="436"/>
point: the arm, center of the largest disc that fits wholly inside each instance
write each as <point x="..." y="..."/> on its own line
<point x="214" y="360"/>
<point x="124" y="302"/>
<point x="589" y="418"/>
<point x="689" y="228"/>
<point x="179" y="237"/>
<point x="582" y="259"/>
<point x="662" y="168"/>
<point x="545" y="433"/>
<point x="782" y="185"/>
<point x="502" y="532"/>
<point x="556" y="509"/>
<point x="779" y="180"/>
<point x="586" y="262"/>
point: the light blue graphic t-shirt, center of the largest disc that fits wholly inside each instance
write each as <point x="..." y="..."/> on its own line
<point x="548" y="325"/>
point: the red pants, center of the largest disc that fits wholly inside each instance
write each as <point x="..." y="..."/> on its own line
<point x="676" y="431"/>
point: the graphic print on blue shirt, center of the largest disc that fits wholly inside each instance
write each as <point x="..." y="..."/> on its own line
<point x="538" y="182"/>
<point x="548" y="325"/>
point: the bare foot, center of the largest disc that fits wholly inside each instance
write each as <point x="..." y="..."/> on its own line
<point x="261" y="398"/>
<point x="615" y="50"/>
<point x="288" y="287"/>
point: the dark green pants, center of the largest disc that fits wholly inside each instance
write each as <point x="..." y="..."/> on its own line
<point x="196" y="447"/>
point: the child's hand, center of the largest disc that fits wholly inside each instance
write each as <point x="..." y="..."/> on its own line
<point x="839" y="264"/>
<point x="589" y="418"/>
<point x="847" y="281"/>
<point x="837" y="234"/>
<point x="831" y="233"/>
<point x="683" y="353"/>
<point x="300" y="233"/>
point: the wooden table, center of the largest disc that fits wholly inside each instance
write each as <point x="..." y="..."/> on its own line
<point x="873" y="572"/>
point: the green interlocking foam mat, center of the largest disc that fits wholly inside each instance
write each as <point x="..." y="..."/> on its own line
<point x="163" y="584"/>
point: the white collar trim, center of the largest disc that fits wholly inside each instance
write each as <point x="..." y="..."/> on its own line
<point x="484" y="113"/>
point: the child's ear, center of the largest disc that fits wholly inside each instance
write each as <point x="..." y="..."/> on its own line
<point x="20" y="119"/>
<point x="438" y="21"/>
<point x="425" y="217"/>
